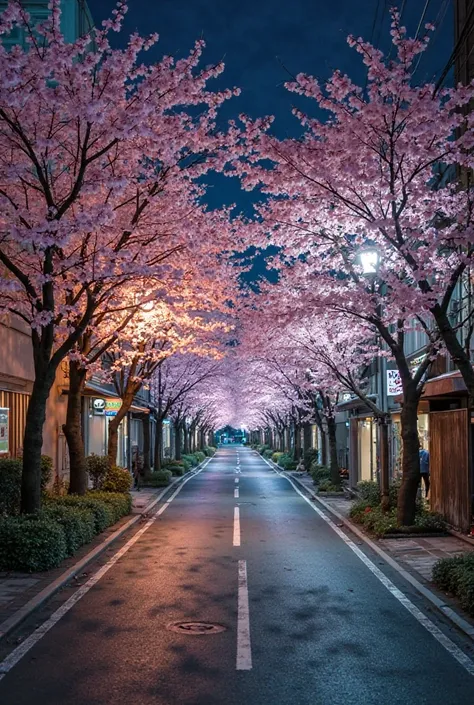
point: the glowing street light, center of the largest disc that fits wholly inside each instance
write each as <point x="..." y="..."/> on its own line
<point x="370" y="260"/>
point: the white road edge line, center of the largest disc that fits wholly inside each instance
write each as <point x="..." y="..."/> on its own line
<point x="17" y="654"/>
<point x="445" y="641"/>
<point x="236" y="480"/>
<point x="236" y="493"/>
<point x="236" y="540"/>
<point x="244" y="648"/>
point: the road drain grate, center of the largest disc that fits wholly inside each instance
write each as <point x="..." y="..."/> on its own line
<point x="195" y="628"/>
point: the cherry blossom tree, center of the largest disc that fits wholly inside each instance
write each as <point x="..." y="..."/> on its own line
<point x="365" y="178"/>
<point x="95" y="149"/>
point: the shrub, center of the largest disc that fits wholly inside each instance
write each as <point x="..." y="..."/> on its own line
<point x="31" y="543"/>
<point x="370" y="491"/>
<point x="116" y="480"/>
<point x="310" y="456"/>
<point x="161" y="478"/>
<point x="328" y="486"/>
<point x="78" y="525"/>
<point x="46" y="472"/>
<point x="276" y="456"/>
<point x="286" y="462"/>
<point x="268" y="453"/>
<point x="357" y="509"/>
<point x="191" y="459"/>
<point x="10" y="486"/>
<point x="104" y="514"/>
<point x="320" y="473"/>
<point x="97" y="468"/>
<point x="456" y="575"/>
<point x="210" y="451"/>
<point x="177" y="470"/>
<point x="200" y="456"/>
<point x="186" y="465"/>
<point x="261" y="448"/>
<point x="120" y="502"/>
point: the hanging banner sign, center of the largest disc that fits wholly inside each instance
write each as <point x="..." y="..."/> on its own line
<point x="394" y="383"/>
<point x="4" y="418"/>
<point x="112" y="406"/>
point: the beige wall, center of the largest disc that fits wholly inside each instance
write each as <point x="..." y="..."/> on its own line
<point x="17" y="374"/>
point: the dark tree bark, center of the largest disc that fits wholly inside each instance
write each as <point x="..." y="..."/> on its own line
<point x="185" y="438"/>
<point x="146" y="444"/>
<point x="410" y="459"/>
<point x="114" y="423"/>
<point x="287" y="448"/>
<point x="333" y="460"/>
<point x="177" y="440"/>
<point x="297" y="443"/>
<point x="158" y="444"/>
<point x="73" y="430"/>
<point x="33" y="441"/>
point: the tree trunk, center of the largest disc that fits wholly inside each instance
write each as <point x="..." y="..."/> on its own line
<point x="287" y="447"/>
<point x="33" y="441"/>
<point x="177" y="440"/>
<point x="297" y="443"/>
<point x="114" y="424"/>
<point x="281" y="441"/>
<point x="73" y="430"/>
<point x="186" y="439"/>
<point x="306" y="438"/>
<point x="410" y="460"/>
<point x="324" y="447"/>
<point x="333" y="461"/>
<point x="158" y="444"/>
<point x="146" y="444"/>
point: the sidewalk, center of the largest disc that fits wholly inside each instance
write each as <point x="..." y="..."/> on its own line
<point x="18" y="589"/>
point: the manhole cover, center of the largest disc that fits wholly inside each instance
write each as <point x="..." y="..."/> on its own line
<point x="195" y="628"/>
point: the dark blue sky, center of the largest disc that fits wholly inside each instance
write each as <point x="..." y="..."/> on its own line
<point x="258" y="39"/>
<point x="262" y="41"/>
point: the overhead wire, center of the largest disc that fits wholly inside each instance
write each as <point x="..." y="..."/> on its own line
<point x="457" y="48"/>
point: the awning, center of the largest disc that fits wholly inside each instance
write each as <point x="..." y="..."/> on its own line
<point x="449" y="384"/>
<point x="356" y="403"/>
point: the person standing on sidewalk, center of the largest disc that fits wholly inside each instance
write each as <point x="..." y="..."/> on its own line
<point x="425" y="469"/>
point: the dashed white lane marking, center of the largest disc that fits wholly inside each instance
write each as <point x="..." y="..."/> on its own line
<point x="17" y="654"/>
<point x="244" y="648"/>
<point x="236" y="480"/>
<point x="236" y="493"/>
<point x="236" y="541"/>
<point x="445" y="641"/>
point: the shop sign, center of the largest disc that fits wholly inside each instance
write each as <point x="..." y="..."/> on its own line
<point x="112" y="406"/>
<point x="98" y="405"/>
<point x="4" y="417"/>
<point x="394" y="383"/>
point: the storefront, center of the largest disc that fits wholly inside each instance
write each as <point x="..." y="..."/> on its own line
<point x="97" y="412"/>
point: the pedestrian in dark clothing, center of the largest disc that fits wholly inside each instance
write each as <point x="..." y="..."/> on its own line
<point x="425" y="469"/>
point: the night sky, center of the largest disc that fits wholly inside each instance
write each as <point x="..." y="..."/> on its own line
<point x="264" y="42"/>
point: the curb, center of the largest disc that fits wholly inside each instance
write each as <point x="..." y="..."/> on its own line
<point x="38" y="600"/>
<point x="445" y="609"/>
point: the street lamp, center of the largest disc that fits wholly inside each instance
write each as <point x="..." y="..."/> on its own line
<point x="370" y="261"/>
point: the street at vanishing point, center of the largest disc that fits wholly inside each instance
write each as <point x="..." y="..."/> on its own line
<point x="276" y="604"/>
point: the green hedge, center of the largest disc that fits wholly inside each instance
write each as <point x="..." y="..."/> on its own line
<point x="161" y="478"/>
<point x="40" y="542"/>
<point x="456" y="575"/>
<point x="10" y="483"/>
<point x="31" y="543"/>
<point x="210" y="451"/>
<point x="286" y="462"/>
<point x="78" y="525"/>
<point x="116" y="480"/>
<point x="378" y="522"/>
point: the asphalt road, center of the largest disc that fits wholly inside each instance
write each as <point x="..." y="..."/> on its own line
<point x="320" y="629"/>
